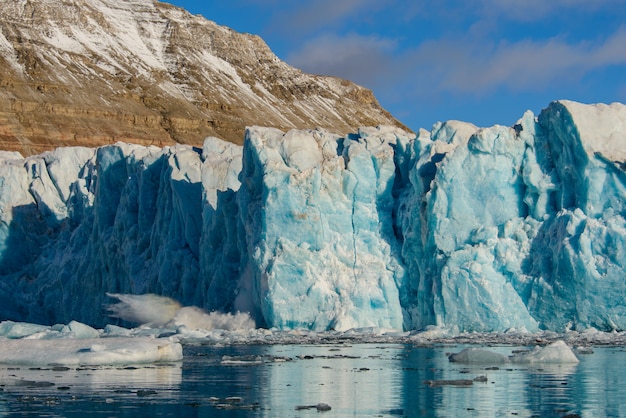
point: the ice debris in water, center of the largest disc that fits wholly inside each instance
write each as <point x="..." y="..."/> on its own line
<point x="76" y="344"/>
<point x="477" y="355"/>
<point x="82" y="333"/>
<point x="91" y="351"/>
<point x="159" y="311"/>
<point x="557" y="352"/>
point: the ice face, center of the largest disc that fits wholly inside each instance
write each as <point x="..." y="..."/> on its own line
<point x="319" y="228"/>
<point x="461" y="228"/>
<point x="460" y="220"/>
<point x="516" y="224"/>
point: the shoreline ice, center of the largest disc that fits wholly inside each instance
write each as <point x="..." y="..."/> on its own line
<point x="24" y="343"/>
<point x="89" y="352"/>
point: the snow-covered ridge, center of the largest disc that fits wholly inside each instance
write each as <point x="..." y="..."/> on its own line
<point x="489" y="229"/>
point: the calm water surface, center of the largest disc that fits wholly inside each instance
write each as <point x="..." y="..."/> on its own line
<point x="357" y="380"/>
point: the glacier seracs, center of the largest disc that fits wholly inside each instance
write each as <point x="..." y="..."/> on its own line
<point x="318" y="215"/>
<point x="474" y="229"/>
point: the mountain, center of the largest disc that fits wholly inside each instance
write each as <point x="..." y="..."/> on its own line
<point x="93" y="72"/>
<point x="492" y="229"/>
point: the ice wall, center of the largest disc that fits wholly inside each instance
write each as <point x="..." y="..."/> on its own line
<point x="461" y="227"/>
<point x="465" y="226"/>
<point x="319" y="228"/>
<point x="520" y="227"/>
<point x="122" y="217"/>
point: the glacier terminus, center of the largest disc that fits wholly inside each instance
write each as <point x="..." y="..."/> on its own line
<point x="474" y="229"/>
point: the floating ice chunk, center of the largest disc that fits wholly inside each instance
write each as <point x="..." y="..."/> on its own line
<point x="10" y="329"/>
<point x="475" y="355"/>
<point x="320" y="407"/>
<point x="80" y="330"/>
<point x="93" y="351"/>
<point x="242" y="360"/>
<point x="555" y="353"/>
<point x="114" y="330"/>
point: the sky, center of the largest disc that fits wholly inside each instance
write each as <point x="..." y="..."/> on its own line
<point x="480" y="61"/>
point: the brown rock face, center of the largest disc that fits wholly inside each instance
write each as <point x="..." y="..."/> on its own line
<point x="93" y="72"/>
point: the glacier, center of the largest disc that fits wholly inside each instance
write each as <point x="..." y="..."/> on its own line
<point x="466" y="228"/>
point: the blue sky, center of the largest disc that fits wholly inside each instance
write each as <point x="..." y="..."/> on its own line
<point x="481" y="61"/>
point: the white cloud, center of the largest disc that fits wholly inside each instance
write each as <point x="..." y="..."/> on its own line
<point x="469" y="66"/>
<point x="531" y="10"/>
<point x="479" y="67"/>
<point x="468" y="50"/>
<point x="362" y="59"/>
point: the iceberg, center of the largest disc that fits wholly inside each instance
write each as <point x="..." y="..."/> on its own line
<point x="465" y="228"/>
<point x="474" y="355"/>
<point x="557" y="352"/>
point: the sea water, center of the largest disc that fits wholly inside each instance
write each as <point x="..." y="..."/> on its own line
<point x="315" y="380"/>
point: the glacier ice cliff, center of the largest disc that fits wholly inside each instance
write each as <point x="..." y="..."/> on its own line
<point x="474" y="229"/>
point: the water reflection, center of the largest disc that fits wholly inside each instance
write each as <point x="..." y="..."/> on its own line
<point x="496" y="390"/>
<point x="293" y="380"/>
<point x="92" y="379"/>
<point x="61" y="391"/>
<point x="353" y="380"/>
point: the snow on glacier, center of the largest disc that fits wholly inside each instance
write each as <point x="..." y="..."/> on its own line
<point x="464" y="228"/>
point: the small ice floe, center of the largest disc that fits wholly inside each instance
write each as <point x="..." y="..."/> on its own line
<point x="74" y="329"/>
<point x="555" y="353"/>
<point x="91" y="351"/>
<point x="584" y="350"/>
<point x="242" y="360"/>
<point x="475" y="355"/>
<point x="78" y="344"/>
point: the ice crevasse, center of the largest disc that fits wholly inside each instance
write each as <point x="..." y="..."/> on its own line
<point x="475" y="229"/>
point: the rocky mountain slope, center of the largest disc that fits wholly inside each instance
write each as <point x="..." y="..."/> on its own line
<point x="93" y="72"/>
